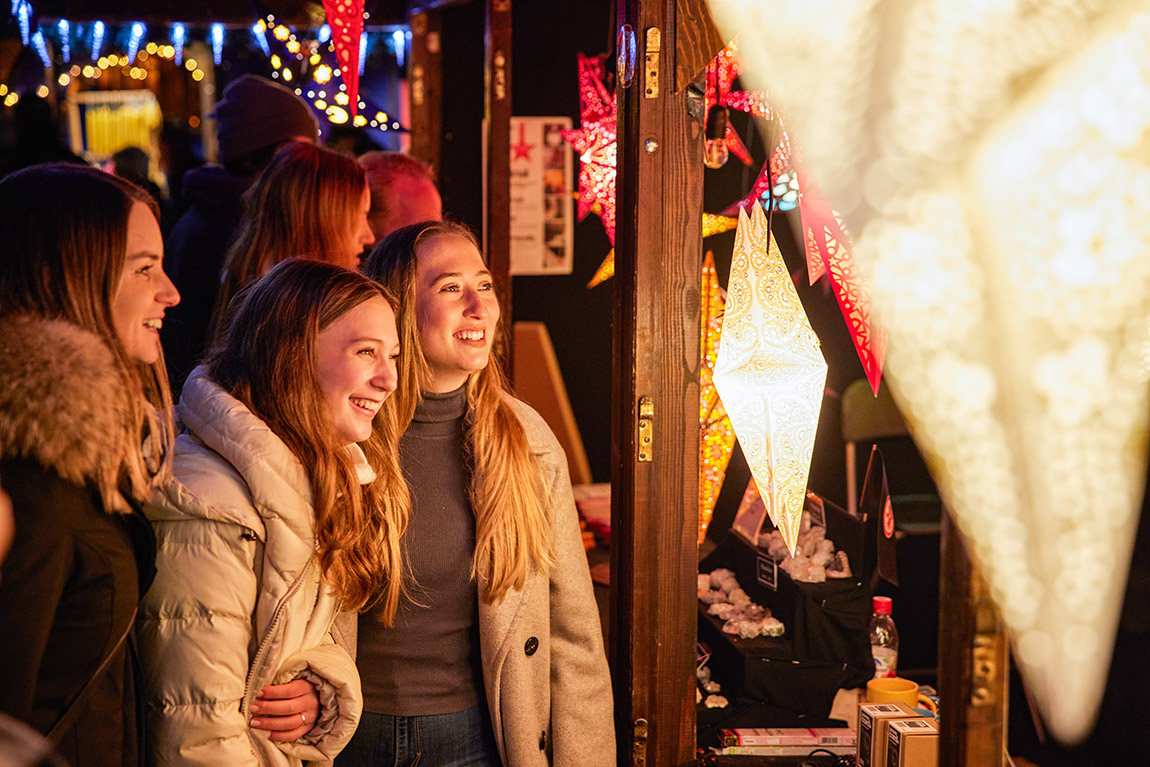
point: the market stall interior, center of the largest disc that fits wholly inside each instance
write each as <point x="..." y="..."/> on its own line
<point x="700" y="317"/>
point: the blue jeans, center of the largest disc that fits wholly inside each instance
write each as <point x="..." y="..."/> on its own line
<point x="462" y="739"/>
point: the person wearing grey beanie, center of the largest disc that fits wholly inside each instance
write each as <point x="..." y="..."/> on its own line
<point x="254" y="118"/>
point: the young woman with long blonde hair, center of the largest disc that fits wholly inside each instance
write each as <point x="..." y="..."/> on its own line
<point x="85" y="436"/>
<point x="287" y="505"/>
<point x="496" y="656"/>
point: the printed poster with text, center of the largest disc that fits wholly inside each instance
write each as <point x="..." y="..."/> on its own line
<point x="542" y="212"/>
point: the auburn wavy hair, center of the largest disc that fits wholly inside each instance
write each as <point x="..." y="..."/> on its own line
<point x="303" y="204"/>
<point x="266" y="357"/>
<point x="509" y="501"/>
<point x="62" y="257"/>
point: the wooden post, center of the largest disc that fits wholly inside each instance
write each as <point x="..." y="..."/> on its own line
<point x="497" y="183"/>
<point x="658" y="252"/>
<point x="973" y="660"/>
<point x="426" y="86"/>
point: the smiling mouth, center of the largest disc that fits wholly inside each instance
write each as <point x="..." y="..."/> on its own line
<point x="471" y="335"/>
<point x="368" y="407"/>
<point x="153" y="324"/>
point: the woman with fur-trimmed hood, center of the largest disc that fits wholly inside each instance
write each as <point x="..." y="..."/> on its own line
<point x="85" y="428"/>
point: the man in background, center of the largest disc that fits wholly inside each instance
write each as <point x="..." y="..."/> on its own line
<point x="402" y="192"/>
<point x="254" y="118"/>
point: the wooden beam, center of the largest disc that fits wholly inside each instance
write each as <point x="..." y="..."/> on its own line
<point x="658" y="251"/>
<point x="973" y="660"/>
<point x="697" y="41"/>
<point x="497" y="183"/>
<point x="426" y="87"/>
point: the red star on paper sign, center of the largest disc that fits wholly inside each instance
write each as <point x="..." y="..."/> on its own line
<point x="345" y="17"/>
<point x="522" y="150"/>
<point x="595" y="142"/>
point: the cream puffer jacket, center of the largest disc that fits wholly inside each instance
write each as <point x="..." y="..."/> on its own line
<point x="238" y="602"/>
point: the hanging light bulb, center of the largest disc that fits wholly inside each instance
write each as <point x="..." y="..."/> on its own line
<point x="97" y="39"/>
<point x="715" y="152"/>
<point x="138" y="30"/>
<point x="399" y="45"/>
<point x="260" y="33"/>
<point x="179" y="38"/>
<point x="63" y="28"/>
<point x="324" y="33"/>
<point x="217" y="35"/>
<point x="24" y="17"/>
<point x="41" y="47"/>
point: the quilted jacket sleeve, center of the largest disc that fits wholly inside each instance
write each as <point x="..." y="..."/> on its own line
<point x="582" y="722"/>
<point x="333" y="672"/>
<point x="195" y="631"/>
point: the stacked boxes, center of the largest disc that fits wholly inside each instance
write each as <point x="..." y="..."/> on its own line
<point x="912" y="743"/>
<point x="874" y="719"/>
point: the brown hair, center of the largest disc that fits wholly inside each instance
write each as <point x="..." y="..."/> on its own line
<point x="511" y="525"/>
<point x="63" y="254"/>
<point x="266" y="358"/>
<point x="302" y="204"/>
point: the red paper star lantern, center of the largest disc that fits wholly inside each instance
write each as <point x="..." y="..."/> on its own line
<point x="345" y="17"/>
<point x="595" y="141"/>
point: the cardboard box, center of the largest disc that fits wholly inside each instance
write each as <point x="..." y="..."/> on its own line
<point x="872" y="733"/>
<point x="912" y="743"/>
<point x="814" y="737"/>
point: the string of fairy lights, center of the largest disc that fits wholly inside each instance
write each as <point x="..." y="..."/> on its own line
<point x="303" y="60"/>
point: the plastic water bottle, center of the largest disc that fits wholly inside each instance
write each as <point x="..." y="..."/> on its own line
<point x="883" y="639"/>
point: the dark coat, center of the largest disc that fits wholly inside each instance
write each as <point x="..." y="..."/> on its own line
<point x="70" y="585"/>
<point x="194" y="257"/>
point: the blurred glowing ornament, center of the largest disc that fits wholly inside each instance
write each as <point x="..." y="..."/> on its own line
<point x="770" y="372"/>
<point x="716" y="437"/>
<point x="179" y="39"/>
<point x="345" y="17"/>
<point x="98" y="30"/>
<point x="595" y="142"/>
<point x="1000" y="219"/>
<point x="713" y="224"/>
<point x="216" y="33"/>
<point x="721" y="136"/>
<point x="605" y="271"/>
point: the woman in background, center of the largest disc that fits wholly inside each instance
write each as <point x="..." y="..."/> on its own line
<point x="287" y="506"/>
<point x="309" y="201"/>
<point x="497" y="656"/>
<point x="85" y="430"/>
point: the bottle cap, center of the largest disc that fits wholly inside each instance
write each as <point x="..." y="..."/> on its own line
<point x="881" y="605"/>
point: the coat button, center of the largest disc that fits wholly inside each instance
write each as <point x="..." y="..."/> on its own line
<point x="543" y="740"/>
<point x="531" y="646"/>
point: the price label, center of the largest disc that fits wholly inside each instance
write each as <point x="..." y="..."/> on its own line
<point x="767" y="572"/>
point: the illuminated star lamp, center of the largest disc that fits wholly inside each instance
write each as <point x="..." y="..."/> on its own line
<point x="770" y="372"/>
<point x="595" y="142"/>
<point x="345" y="17"/>
<point x="716" y="437"/>
<point x="1003" y="234"/>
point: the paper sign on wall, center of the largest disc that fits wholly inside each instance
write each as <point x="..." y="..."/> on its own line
<point x="542" y="217"/>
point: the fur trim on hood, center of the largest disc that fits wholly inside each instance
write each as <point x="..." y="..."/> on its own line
<point x="63" y="402"/>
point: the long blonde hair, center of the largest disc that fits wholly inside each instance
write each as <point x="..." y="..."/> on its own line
<point x="266" y="357"/>
<point x="302" y="204"/>
<point x="509" y="500"/>
<point x="63" y="252"/>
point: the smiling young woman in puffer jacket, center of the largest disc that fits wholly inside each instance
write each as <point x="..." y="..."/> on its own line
<point x="287" y="506"/>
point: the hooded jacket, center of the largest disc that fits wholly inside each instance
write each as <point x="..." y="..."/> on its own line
<point x="238" y="602"/>
<point x="545" y="674"/>
<point x="73" y="577"/>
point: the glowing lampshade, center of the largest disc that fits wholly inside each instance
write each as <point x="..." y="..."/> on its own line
<point x="1000" y="218"/>
<point x="770" y="372"/>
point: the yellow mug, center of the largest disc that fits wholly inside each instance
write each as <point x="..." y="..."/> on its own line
<point x="895" y="689"/>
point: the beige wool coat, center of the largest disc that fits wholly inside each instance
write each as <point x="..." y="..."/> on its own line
<point x="238" y="602"/>
<point x="544" y="670"/>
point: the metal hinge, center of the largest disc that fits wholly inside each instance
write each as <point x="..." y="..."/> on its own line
<point x="639" y="744"/>
<point x="646" y="428"/>
<point x="651" y="63"/>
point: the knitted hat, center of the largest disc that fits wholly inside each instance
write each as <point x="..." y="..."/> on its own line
<point x="255" y="113"/>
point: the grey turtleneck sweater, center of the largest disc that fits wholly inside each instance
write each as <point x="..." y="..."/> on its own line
<point x="428" y="662"/>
